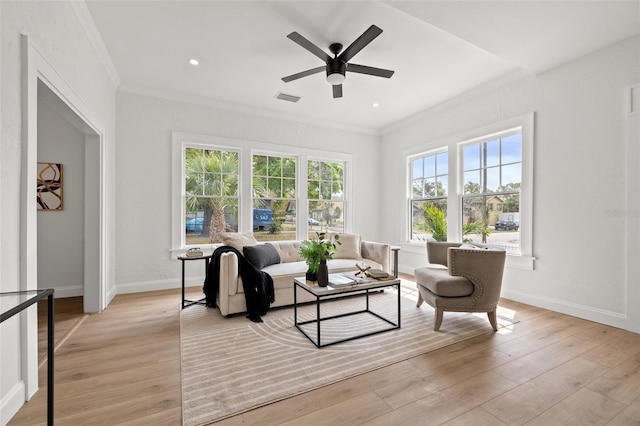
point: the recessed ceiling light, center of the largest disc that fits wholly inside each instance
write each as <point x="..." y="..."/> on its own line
<point x="375" y="104"/>
<point x="194" y="62"/>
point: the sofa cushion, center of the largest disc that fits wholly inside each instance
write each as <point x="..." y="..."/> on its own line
<point x="349" y="247"/>
<point x="439" y="282"/>
<point x="261" y="255"/>
<point x="238" y="240"/>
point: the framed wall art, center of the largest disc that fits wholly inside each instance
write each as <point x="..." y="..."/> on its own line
<point x="49" y="186"/>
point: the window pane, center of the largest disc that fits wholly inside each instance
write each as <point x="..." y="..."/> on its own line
<point x="443" y="186"/>
<point x="259" y="188"/>
<point x="492" y="153"/>
<point x="430" y="187"/>
<point x="274" y="219"/>
<point x="230" y="185"/>
<point x="212" y="161"/>
<point x="212" y="183"/>
<point x="289" y="188"/>
<point x="429" y="220"/>
<point x="326" y="172"/>
<point x="417" y="187"/>
<point x="259" y="165"/>
<point x="471" y="157"/>
<point x="313" y="190"/>
<point x="416" y="167"/>
<point x="275" y="166"/>
<point x="442" y="163"/>
<point x="471" y="182"/>
<point x="336" y="191"/>
<point x="313" y="170"/>
<point x="512" y="149"/>
<point x="430" y="166"/>
<point x="325" y="190"/>
<point x="289" y="167"/>
<point x="493" y="179"/>
<point x="512" y="176"/>
<point x="275" y="187"/>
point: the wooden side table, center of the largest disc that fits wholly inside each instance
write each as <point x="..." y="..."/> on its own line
<point x="183" y="259"/>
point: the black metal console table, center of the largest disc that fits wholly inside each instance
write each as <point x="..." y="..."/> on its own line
<point x="12" y="303"/>
<point x="185" y="258"/>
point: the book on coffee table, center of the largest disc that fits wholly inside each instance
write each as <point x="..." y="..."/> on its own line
<point x="339" y="280"/>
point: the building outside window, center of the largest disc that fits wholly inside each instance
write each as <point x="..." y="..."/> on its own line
<point x="274" y="197"/>
<point x="325" y="196"/>
<point x="429" y="183"/>
<point x="210" y="194"/>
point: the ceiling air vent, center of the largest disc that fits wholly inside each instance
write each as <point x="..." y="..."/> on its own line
<point x="289" y="98"/>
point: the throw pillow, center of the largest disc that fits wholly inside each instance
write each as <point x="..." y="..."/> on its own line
<point x="261" y="255"/>
<point x="349" y="247"/>
<point x="238" y="240"/>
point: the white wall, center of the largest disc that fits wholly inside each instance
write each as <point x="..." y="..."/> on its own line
<point x="579" y="177"/>
<point x="61" y="233"/>
<point x="144" y="177"/>
<point x="56" y="32"/>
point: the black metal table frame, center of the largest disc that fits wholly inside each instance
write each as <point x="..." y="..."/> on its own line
<point x="40" y="295"/>
<point x="332" y="296"/>
<point x="186" y="302"/>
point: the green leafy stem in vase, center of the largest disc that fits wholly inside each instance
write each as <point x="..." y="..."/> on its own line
<point x="315" y="250"/>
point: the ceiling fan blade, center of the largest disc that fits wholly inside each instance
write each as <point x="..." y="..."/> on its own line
<point x="303" y="74"/>
<point x="337" y="91"/>
<point x="363" y="69"/>
<point x="294" y="36"/>
<point x="366" y="38"/>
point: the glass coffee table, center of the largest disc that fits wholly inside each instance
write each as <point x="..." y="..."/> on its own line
<point x="326" y="294"/>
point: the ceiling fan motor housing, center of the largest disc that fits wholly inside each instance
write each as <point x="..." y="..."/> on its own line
<point x="336" y="68"/>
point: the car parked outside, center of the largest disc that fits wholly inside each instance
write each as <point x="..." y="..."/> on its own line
<point x="195" y="224"/>
<point x="506" y="225"/>
<point x="313" y="222"/>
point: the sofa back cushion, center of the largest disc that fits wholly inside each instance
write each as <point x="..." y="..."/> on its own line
<point x="238" y="240"/>
<point x="261" y="255"/>
<point x="349" y="247"/>
<point x="289" y="251"/>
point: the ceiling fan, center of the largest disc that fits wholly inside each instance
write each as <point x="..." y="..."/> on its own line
<point x="338" y="66"/>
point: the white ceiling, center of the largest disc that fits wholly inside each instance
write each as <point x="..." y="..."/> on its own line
<point x="438" y="49"/>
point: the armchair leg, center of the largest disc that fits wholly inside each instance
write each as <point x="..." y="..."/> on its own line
<point x="420" y="300"/>
<point x="439" y="314"/>
<point x="493" y="320"/>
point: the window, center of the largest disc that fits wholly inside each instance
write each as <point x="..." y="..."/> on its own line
<point x="428" y="201"/>
<point x="488" y="194"/>
<point x="223" y="185"/>
<point x="210" y="194"/>
<point x="325" y="196"/>
<point x="274" y="197"/>
<point x="491" y="180"/>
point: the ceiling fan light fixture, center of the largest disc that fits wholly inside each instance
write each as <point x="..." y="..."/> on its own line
<point x="335" y="78"/>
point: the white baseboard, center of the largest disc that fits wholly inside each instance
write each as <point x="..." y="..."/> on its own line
<point x="12" y="402"/>
<point x="613" y="319"/>
<point x="68" y="291"/>
<point x="601" y="316"/>
<point x="140" y="286"/>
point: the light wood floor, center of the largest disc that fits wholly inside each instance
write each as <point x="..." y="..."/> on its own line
<point x="123" y="367"/>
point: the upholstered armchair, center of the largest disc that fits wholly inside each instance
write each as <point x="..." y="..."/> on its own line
<point x="461" y="279"/>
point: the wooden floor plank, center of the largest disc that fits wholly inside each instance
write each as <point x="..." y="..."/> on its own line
<point x="122" y="367"/>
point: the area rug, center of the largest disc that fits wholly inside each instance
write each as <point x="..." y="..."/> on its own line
<point x="232" y="365"/>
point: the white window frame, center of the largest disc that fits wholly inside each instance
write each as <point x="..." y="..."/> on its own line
<point x="525" y="124"/>
<point x="246" y="149"/>
<point x="297" y="177"/>
<point x="346" y="198"/>
<point x="410" y="159"/>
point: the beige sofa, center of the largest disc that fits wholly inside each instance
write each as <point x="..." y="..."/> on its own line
<point x="231" y="300"/>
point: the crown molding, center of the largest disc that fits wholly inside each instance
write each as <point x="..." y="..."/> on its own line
<point x="240" y="108"/>
<point x="89" y="25"/>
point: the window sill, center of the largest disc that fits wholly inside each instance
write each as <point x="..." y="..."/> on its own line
<point x="516" y="261"/>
